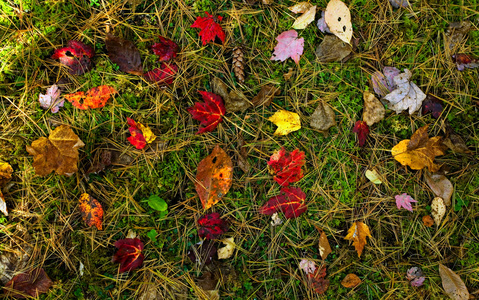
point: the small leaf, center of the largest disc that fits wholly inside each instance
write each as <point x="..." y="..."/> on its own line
<point x="164" y="75"/>
<point x="140" y="134"/>
<point x="125" y="54"/>
<point x="286" y="166"/>
<point x="91" y="211"/>
<point x="404" y="201"/>
<point x="290" y="201"/>
<point x="465" y="61"/>
<point x="427" y="221"/>
<point x="157" y="203"/>
<point x="317" y="281"/>
<point x="228" y="250"/>
<point x="211" y="226"/>
<point x="438" y="210"/>
<point x="415" y="276"/>
<point x="440" y="186"/>
<point x="6" y="171"/>
<point x="453" y="284"/>
<point x="338" y="19"/>
<point x="51" y="99"/>
<point x="305" y="19"/>
<point x="210" y="29"/>
<point x="129" y="254"/>
<point x="373" y="176"/>
<point x="358" y="233"/>
<point x="28" y="284"/>
<point x="210" y="113"/>
<point x="373" y="109"/>
<point x="350" y="281"/>
<point x="323" y="117"/>
<point x="362" y="131"/>
<point x="266" y="95"/>
<point x="286" y="121"/>
<point x="308" y="266"/>
<point x="288" y="46"/>
<point x="166" y="49"/>
<point x="93" y="98"/>
<point x="323" y="246"/>
<point x="432" y="105"/>
<point x="76" y="56"/>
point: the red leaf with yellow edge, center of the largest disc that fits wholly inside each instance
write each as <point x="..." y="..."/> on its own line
<point x="93" y="98"/>
<point x="210" y="113"/>
<point x="28" y="284"/>
<point x="91" y="211"/>
<point x="362" y="130"/>
<point x="140" y="134"/>
<point x="214" y="177"/>
<point x="210" y="29"/>
<point x="358" y="233"/>
<point x="129" y="254"/>
<point x="286" y="166"/>
<point x="290" y="201"/>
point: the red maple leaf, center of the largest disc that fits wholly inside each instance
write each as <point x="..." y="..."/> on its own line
<point x="362" y="130"/>
<point x="210" y="113"/>
<point x="212" y="226"/>
<point x="209" y="28"/>
<point x="129" y="254"/>
<point x="290" y="201"/>
<point x="28" y="284"/>
<point x="136" y="139"/>
<point x="76" y="56"/>
<point x="433" y="105"/>
<point x="166" y="49"/>
<point x="287" y="166"/>
<point x="165" y="74"/>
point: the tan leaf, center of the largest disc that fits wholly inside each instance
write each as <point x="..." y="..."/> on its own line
<point x="358" y="233"/>
<point x="453" y="284"/>
<point x="5" y="173"/>
<point x="234" y="100"/>
<point x="300" y="8"/>
<point x="58" y="153"/>
<point x="286" y="121"/>
<point x="323" y="117"/>
<point x="440" y="186"/>
<point x="332" y="49"/>
<point x="324" y="247"/>
<point x="266" y="95"/>
<point x="438" y="210"/>
<point x="338" y="19"/>
<point x="351" y="280"/>
<point x="455" y="142"/>
<point x="373" y="109"/>
<point x="228" y="250"/>
<point x="305" y="19"/>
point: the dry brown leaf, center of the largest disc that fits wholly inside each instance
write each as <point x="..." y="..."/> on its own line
<point x="455" y="142"/>
<point x="351" y="280"/>
<point x="242" y="155"/>
<point x="287" y="76"/>
<point x="58" y="152"/>
<point x="5" y="173"/>
<point x="323" y="117"/>
<point x="438" y="210"/>
<point x="358" y="233"/>
<point x="332" y="49"/>
<point x="266" y="95"/>
<point x="453" y="284"/>
<point x="427" y="221"/>
<point x="440" y="186"/>
<point x="324" y="247"/>
<point x="234" y="101"/>
<point x="373" y="109"/>
<point x="125" y="54"/>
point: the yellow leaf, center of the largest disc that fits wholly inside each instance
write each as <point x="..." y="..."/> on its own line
<point x="286" y="121"/>
<point x="228" y="250"/>
<point x="373" y="176"/>
<point x="305" y="19"/>
<point x="5" y="172"/>
<point x="358" y="233"/>
<point x="300" y="8"/>
<point x="147" y="133"/>
<point x="338" y="19"/>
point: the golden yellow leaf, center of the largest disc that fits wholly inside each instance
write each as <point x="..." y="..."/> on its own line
<point x="147" y="133"/>
<point x="286" y="121"/>
<point x="358" y="233"/>
<point x="5" y="172"/>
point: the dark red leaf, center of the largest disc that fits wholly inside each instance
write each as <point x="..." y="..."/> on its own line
<point x="137" y="138"/>
<point x="210" y="113"/>
<point x="290" y="201"/>
<point x="432" y="105"/>
<point x="465" y="61"/>
<point x="76" y="56"/>
<point x="29" y="284"/>
<point x="125" y="54"/>
<point x="203" y="252"/>
<point x="286" y="166"/>
<point x="165" y="74"/>
<point x="212" y="226"/>
<point x="362" y="130"/>
<point x="317" y="281"/>
<point x="129" y="254"/>
<point x="209" y="28"/>
<point x="166" y="49"/>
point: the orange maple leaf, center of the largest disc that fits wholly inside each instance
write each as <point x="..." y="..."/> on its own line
<point x="93" y="98"/>
<point x="358" y="233"/>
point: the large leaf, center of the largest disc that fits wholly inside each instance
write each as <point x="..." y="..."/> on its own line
<point x="288" y="46"/>
<point x="129" y="254"/>
<point x="28" y="284"/>
<point x="210" y="29"/>
<point x="93" y="98"/>
<point x="290" y="201"/>
<point x="91" y="211"/>
<point x="357" y="233"/>
<point x="338" y="19"/>
<point x="125" y="54"/>
<point x="286" y="121"/>
<point x="210" y="113"/>
<point x="453" y="284"/>
<point x="286" y="166"/>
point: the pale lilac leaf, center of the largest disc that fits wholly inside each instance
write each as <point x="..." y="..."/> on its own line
<point x="51" y="99"/>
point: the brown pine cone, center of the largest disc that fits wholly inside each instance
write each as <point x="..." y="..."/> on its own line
<point x="238" y="64"/>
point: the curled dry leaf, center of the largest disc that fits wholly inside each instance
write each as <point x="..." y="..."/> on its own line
<point x="323" y="117"/>
<point x="308" y="266"/>
<point x="208" y="281"/>
<point x="234" y="101"/>
<point x="338" y="19"/>
<point x="5" y="173"/>
<point x="58" y="152"/>
<point x="358" y="233"/>
<point x="210" y="29"/>
<point x="91" y="211"/>
<point x="373" y="109"/>
<point x="28" y="284"/>
<point x="266" y="95"/>
<point x="455" y="142"/>
<point x="129" y="254"/>
<point x="350" y="281"/>
<point x="286" y="121"/>
<point x="93" y="98"/>
<point x="373" y="176"/>
<point x="428" y="221"/>
<point x="332" y="49"/>
<point x="212" y="226"/>
<point x="323" y="246"/>
<point x="300" y="8"/>
<point x="453" y="284"/>
<point x="317" y="281"/>
<point x="228" y="250"/>
<point x="440" y="186"/>
<point x="362" y="131"/>
<point x="214" y="177"/>
<point x="288" y="46"/>
<point x="463" y="61"/>
<point x="125" y="54"/>
<point x="210" y="113"/>
<point x="407" y="95"/>
<point x="286" y="166"/>
<point x="306" y="18"/>
<point x="438" y="210"/>
<point x="76" y="56"/>
<point x="383" y="83"/>
<point x="276" y="220"/>
<point x="290" y="201"/>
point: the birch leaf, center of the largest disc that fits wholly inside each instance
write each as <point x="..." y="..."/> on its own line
<point x="453" y="284"/>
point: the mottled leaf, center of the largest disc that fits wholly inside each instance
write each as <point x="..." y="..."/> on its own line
<point x="373" y="109"/>
<point x="406" y="96"/>
<point x="432" y="105"/>
<point x="94" y="98"/>
<point x="51" y="99"/>
<point x="323" y="117"/>
<point x="357" y="233"/>
<point x="141" y="135"/>
<point x="338" y="19"/>
<point x="91" y="211"/>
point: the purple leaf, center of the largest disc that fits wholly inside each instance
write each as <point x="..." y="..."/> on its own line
<point x="404" y="201"/>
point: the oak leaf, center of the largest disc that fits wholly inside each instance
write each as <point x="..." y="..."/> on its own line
<point x="76" y="56"/>
<point x="453" y="284"/>
<point x="404" y="201"/>
<point x="211" y="226"/>
<point x="93" y="98"/>
<point x="338" y="19"/>
<point x="288" y="46"/>
<point x="290" y="201"/>
<point x="166" y="49"/>
<point x="210" y="29"/>
<point x="28" y="284"/>
<point x="6" y="171"/>
<point x="214" y="177"/>
<point x="51" y="99"/>
<point x="210" y="113"/>
<point x="351" y="280"/>
<point x="323" y="117"/>
<point x="164" y="75"/>
<point x="91" y="211"/>
<point x="373" y="109"/>
<point x="407" y="94"/>
<point x="58" y="152"/>
<point x="129" y="254"/>
<point x="140" y="134"/>
<point x="362" y="131"/>
<point x="286" y="166"/>
<point x="286" y="121"/>
<point x="125" y="54"/>
<point x="358" y="233"/>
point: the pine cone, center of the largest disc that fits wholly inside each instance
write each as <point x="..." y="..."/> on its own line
<point x="238" y="64"/>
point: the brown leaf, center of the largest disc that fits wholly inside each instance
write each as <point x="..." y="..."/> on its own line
<point x="324" y="247"/>
<point x="440" y="186"/>
<point x="373" y="109"/>
<point x="214" y="177"/>
<point x="351" y="280"/>
<point x="266" y="95"/>
<point x="323" y="117"/>
<point x="208" y="281"/>
<point x="455" y="142"/>
<point x="453" y="284"/>
<point x="242" y="156"/>
<point x="332" y="49"/>
<point x="91" y="211"/>
<point x="5" y="173"/>
<point x="101" y="162"/>
<point x="58" y="153"/>
<point x="125" y="54"/>
<point x="29" y="284"/>
<point x="427" y="221"/>
<point x="319" y="285"/>
<point x="234" y="101"/>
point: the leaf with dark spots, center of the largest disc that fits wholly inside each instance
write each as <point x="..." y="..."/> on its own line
<point x="125" y="54"/>
<point x="76" y="56"/>
<point x="129" y="254"/>
<point x="164" y="75"/>
<point x="362" y="131"/>
<point x="211" y="226"/>
<point x="28" y="284"/>
<point x="203" y="252"/>
<point x="93" y="98"/>
<point x="432" y="105"/>
<point x="290" y="201"/>
<point x="166" y="49"/>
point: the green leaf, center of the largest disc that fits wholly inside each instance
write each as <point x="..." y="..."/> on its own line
<point x="157" y="203"/>
<point x="152" y="235"/>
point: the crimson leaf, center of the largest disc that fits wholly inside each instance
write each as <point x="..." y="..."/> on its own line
<point x="210" y="113"/>
<point x="165" y="74"/>
<point x="210" y="29"/>
<point x="362" y="130"/>
<point x="433" y="105"/>
<point x="76" y="56"/>
<point x="287" y="166"/>
<point x="28" y="284"/>
<point x="290" y="201"/>
<point x="166" y="49"/>
<point x="212" y="226"/>
<point x="129" y="254"/>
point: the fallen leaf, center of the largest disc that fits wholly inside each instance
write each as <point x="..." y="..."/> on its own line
<point x="322" y="26"/>
<point x="453" y="284"/>
<point x="465" y="61"/>
<point x="286" y="121"/>
<point x="91" y="211"/>
<point x="3" y="204"/>
<point x="202" y="253"/>
<point x="358" y="233"/>
<point x="399" y="3"/>
<point x="338" y="19"/>
<point x="286" y="166"/>
<point x="208" y="281"/>
<point x="228" y="250"/>
<point x="28" y="284"/>
<point x="305" y="19"/>
<point x="51" y="99"/>
<point x="455" y="142"/>
<point x="214" y="177"/>
<point x="210" y="113"/>
<point x="362" y="131"/>
<point x="300" y="8"/>
<point x="323" y="246"/>
<point x="129" y="254"/>
<point x="125" y="54"/>
<point x="383" y="83"/>
<point x="420" y="151"/>
<point x="94" y="98"/>
<point x="456" y="33"/>
<point x="166" y="49"/>
<point x="438" y="210"/>
<point x="76" y="56"/>
<point x="427" y="221"/>
<point x="266" y="95"/>
<point x="317" y="281"/>
<point x="290" y="201"/>
<point x="432" y="105"/>
<point x="332" y="49"/>
<point x="210" y="29"/>
<point x="407" y="95"/>
<point x="415" y="276"/>
<point x="5" y="173"/>
<point x="350" y="281"/>
<point x="234" y="101"/>
<point x="287" y="76"/>
<point x="157" y="203"/>
<point x="288" y="46"/>
<point x="373" y="176"/>
<point x="440" y="186"/>
<point x="140" y="134"/>
<point x="373" y="109"/>
<point x="323" y="117"/>
<point x="404" y="201"/>
<point x="211" y="226"/>
<point x="276" y="220"/>
<point x="242" y="155"/>
<point x="308" y="266"/>
<point x="58" y="152"/>
<point x="164" y="75"/>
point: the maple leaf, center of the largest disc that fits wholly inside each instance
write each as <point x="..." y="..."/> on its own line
<point x="407" y="94"/>
<point x="362" y="131"/>
<point x="125" y="54"/>
<point x="129" y="254"/>
<point x="290" y="201"/>
<point x="210" y="113"/>
<point x="465" y="61"/>
<point x="91" y="211"/>
<point x="28" y="284"/>
<point x="288" y="46"/>
<point x="58" y="152"/>
<point x="358" y="233"/>
<point x="286" y="166"/>
<point x="76" y="56"/>
<point x="93" y="98"/>
<point x="140" y="134"/>
<point x="212" y="226"/>
<point x="210" y="29"/>
<point x="286" y="121"/>
<point x="163" y="75"/>
<point x="166" y="49"/>
<point x="432" y="105"/>
<point x="50" y="99"/>
<point x="404" y="201"/>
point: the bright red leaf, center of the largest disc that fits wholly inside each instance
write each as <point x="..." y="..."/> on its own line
<point x="166" y="49"/>
<point x="210" y="29"/>
<point x="212" y="226"/>
<point x="432" y="105"/>
<point x="286" y="166"/>
<point x="140" y="134"/>
<point x="93" y="98"/>
<point x="29" y="284"/>
<point x="165" y="74"/>
<point x="76" y="56"/>
<point x="362" y="130"/>
<point x="290" y="201"/>
<point x="210" y="113"/>
<point x="129" y="254"/>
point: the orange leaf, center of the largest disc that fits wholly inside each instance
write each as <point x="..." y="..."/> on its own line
<point x="350" y="281"/>
<point x="428" y="221"/>
<point x="214" y="177"/>
<point x="358" y="233"/>
<point x="93" y="98"/>
<point x="91" y="211"/>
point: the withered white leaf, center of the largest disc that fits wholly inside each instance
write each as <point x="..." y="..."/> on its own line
<point x="407" y="95"/>
<point x="228" y="250"/>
